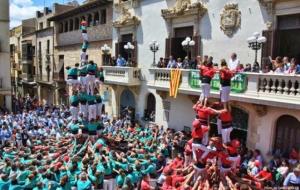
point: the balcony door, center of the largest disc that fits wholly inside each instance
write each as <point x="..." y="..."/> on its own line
<point x="287" y="134"/>
<point x="120" y="47"/>
<point x="127" y="104"/>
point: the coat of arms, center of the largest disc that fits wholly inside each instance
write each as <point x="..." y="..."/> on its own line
<point x="230" y="18"/>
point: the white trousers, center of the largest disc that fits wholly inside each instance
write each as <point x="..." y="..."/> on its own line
<point x="108" y="184"/>
<point x="92" y="112"/>
<point x="205" y="138"/>
<point x="90" y="80"/>
<point x="83" y="110"/>
<point x="226" y="135"/>
<point x="74" y="112"/>
<point x="84" y="37"/>
<point x="72" y="82"/>
<point x="224" y="93"/>
<point x="205" y="91"/>
<point x="82" y="81"/>
<point x="236" y="161"/>
<point x="199" y="172"/>
<point x="99" y="109"/>
<point x="195" y="147"/>
<point x="187" y="160"/>
<point x="219" y="125"/>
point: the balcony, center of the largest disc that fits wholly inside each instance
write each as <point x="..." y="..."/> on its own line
<point x="127" y="76"/>
<point x="265" y="89"/>
<point x="44" y="79"/>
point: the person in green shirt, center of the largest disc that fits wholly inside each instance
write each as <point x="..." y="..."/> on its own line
<point x="74" y="101"/>
<point x="74" y="127"/>
<point x="84" y="183"/>
<point x="83" y="109"/>
<point x="72" y="73"/>
<point x="92" y="70"/>
<point x="4" y="182"/>
<point x="99" y="78"/>
<point x="82" y="71"/>
<point x="98" y="106"/>
<point x="91" y="99"/>
<point x="120" y="178"/>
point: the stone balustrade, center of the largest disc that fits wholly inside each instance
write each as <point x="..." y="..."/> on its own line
<point x="259" y="88"/>
<point x="128" y="76"/>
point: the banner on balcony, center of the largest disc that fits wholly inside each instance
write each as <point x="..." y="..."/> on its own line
<point x="174" y="82"/>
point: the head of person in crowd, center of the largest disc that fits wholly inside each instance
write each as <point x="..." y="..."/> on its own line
<point x="233" y="56"/>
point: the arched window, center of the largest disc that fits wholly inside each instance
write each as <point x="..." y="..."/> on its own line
<point x="66" y="26"/>
<point x="287" y="134"/>
<point x="61" y="28"/>
<point x="71" y="25"/>
<point x="96" y="18"/>
<point x="239" y="124"/>
<point x="77" y="23"/>
<point x="89" y="21"/>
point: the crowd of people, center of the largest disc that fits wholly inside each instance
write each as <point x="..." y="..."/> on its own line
<point x="44" y="149"/>
<point x="280" y="65"/>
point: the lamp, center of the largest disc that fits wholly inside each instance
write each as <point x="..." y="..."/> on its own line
<point x="154" y="47"/>
<point x="187" y="44"/>
<point x="255" y="43"/>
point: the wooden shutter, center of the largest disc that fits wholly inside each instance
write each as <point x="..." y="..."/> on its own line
<point x="168" y="47"/>
<point x="197" y="46"/>
<point x="135" y="54"/>
<point x="267" y="47"/>
<point x="116" y="49"/>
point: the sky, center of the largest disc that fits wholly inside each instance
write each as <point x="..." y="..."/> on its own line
<point x="23" y="9"/>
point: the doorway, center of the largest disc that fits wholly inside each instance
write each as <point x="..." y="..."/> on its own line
<point x="179" y="35"/>
<point x="127" y="105"/>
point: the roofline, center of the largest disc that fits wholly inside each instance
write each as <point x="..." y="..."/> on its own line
<point x="79" y="9"/>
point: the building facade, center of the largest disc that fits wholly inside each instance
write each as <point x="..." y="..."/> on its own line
<point x="218" y="28"/>
<point x="68" y="41"/>
<point x="5" y="80"/>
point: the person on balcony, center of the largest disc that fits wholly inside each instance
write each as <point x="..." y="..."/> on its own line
<point x="179" y="64"/>
<point x="292" y="68"/>
<point x="233" y="62"/>
<point x="186" y="63"/>
<point x="121" y="62"/>
<point x="161" y="63"/>
<point x="172" y="63"/>
<point x="286" y="63"/>
<point x="207" y="72"/>
<point x="225" y="81"/>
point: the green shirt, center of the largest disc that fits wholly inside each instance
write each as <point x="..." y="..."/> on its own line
<point x="92" y="67"/>
<point x="91" y="99"/>
<point x="74" y="100"/>
<point x="72" y="71"/>
<point x="98" y="99"/>
<point x="120" y="180"/>
<point x="84" y="185"/>
<point x="92" y="126"/>
<point x="83" y="97"/>
<point x="83" y="71"/>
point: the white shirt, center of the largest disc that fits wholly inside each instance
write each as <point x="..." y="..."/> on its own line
<point x="232" y="64"/>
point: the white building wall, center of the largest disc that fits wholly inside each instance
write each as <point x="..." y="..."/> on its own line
<point x="4" y="51"/>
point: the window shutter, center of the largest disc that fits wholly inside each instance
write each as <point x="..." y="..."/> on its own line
<point x="197" y="46"/>
<point x="116" y="50"/>
<point x="168" y="47"/>
<point x="267" y="47"/>
<point x="135" y="54"/>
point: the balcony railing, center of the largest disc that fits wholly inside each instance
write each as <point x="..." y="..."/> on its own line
<point x="128" y="76"/>
<point x="258" y="88"/>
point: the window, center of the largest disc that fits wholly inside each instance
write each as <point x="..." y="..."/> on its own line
<point x="103" y="16"/>
<point x="96" y="18"/>
<point x="48" y="47"/>
<point x="41" y="25"/>
<point x="240" y="120"/>
<point x="71" y="25"/>
<point x="76" y="24"/>
<point x="66" y="26"/>
<point x="89" y="21"/>
<point x="61" y="28"/>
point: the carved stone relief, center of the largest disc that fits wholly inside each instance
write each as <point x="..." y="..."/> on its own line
<point x="230" y="18"/>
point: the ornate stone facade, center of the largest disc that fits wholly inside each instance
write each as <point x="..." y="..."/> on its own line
<point x="230" y="19"/>
<point x="126" y="19"/>
<point x="184" y="8"/>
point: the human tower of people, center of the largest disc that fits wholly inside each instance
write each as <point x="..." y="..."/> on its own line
<point x="85" y="80"/>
